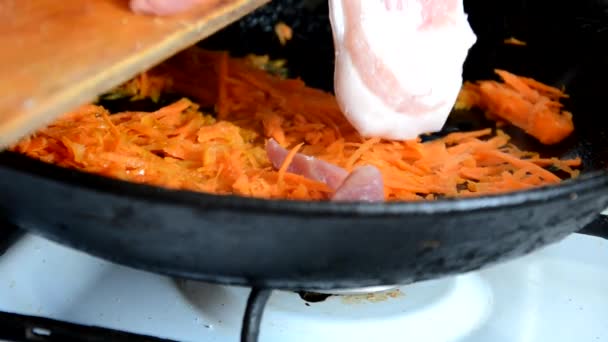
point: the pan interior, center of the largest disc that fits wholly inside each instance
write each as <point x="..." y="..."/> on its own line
<point x="561" y="43"/>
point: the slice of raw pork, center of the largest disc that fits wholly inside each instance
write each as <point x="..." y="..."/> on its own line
<point x="399" y="63"/>
<point x="363" y="184"/>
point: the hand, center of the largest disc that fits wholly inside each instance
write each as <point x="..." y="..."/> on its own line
<point x="161" y="7"/>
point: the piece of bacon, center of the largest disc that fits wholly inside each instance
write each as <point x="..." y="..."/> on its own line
<point x="364" y="183"/>
<point x="306" y="166"/>
<point x="398" y="63"/>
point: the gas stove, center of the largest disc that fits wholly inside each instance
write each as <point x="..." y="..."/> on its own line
<point x="50" y="293"/>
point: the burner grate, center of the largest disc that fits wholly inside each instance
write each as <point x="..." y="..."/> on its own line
<point x="253" y="314"/>
<point x="22" y="328"/>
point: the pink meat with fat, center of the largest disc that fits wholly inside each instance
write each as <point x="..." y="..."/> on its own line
<point x="306" y="166"/>
<point x="363" y="184"/>
<point x="398" y="63"/>
<point x="162" y="7"/>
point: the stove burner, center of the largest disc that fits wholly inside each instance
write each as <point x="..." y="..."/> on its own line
<point x="409" y="307"/>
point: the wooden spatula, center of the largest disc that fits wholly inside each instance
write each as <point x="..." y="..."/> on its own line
<point x="56" y="55"/>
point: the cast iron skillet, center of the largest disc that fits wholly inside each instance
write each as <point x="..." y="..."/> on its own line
<point x="298" y="245"/>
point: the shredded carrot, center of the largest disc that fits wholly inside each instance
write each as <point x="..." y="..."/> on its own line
<point x="523" y="102"/>
<point x="514" y="41"/>
<point x="366" y="146"/>
<point x="142" y="86"/>
<point x="180" y="146"/>
<point x="283" y="32"/>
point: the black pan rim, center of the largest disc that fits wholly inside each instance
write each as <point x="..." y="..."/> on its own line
<point x="587" y="182"/>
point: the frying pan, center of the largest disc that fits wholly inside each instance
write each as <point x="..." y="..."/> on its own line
<point x="314" y="245"/>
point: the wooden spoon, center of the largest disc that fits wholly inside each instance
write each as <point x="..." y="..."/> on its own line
<point x="58" y="55"/>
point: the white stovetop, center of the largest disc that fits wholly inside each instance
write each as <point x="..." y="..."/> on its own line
<point x="557" y="294"/>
